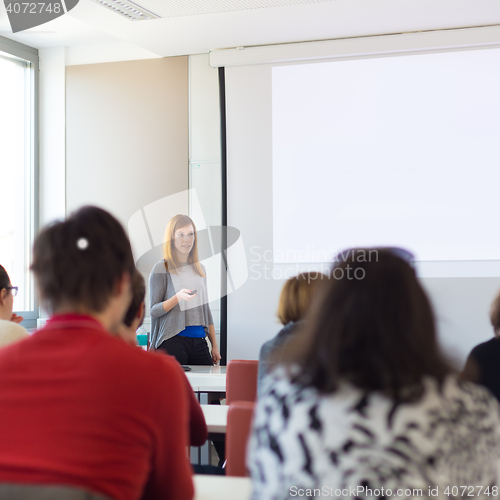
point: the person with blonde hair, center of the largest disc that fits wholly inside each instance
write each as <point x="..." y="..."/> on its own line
<point x="294" y="301"/>
<point x="180" y="313"/>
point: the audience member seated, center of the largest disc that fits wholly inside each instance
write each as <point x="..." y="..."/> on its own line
<point x="79" y="408"/>
<point x="294" y="300"/>
<point x="134" y="316"/>
<point x="483" y="363"/>
<point x="363" y="398"/>
<point x="132" y="320"/>
<point x="10" y="330"/>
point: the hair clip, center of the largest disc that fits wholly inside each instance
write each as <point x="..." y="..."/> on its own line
<point x="82" y="243"/>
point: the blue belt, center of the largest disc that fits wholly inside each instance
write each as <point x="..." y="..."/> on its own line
<point x="195" y="332"/>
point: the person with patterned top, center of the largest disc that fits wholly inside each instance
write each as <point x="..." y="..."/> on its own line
<point x="363" y="404"/>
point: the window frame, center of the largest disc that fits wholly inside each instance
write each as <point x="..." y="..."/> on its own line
<point x="18" y="51"/>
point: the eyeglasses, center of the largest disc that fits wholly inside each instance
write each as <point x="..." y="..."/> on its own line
<point x="13" y="289"/>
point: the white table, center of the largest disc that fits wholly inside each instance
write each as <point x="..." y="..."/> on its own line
<point x="215" y="417"/>
<point x="207" y="378"/>
<point x="209" y="487"/>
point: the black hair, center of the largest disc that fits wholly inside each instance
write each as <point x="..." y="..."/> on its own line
<point x="371" y="325"/>
<point x="138" y="294"/>
<point x="78" y="262"/>
<point x="4" y="278"/>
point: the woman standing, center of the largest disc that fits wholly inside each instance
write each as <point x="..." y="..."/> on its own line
<point x="180" y="314"/>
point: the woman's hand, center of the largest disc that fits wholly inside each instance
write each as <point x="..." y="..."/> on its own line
<point x="215" y="355"/>
<point x="185" y="294"/>
<point x="16" y="319"/>
<point x="213" y="341"/>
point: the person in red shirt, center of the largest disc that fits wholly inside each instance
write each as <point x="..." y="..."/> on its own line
<point x="133" y="319"/>
<point x="79" y="407"/>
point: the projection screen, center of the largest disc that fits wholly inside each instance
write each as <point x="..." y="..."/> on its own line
<point x="393" y="150"/>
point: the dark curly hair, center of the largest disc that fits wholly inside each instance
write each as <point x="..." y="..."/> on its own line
<point x="78" y="262"/>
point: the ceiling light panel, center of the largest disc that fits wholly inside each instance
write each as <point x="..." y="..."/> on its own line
<point x="130" y="10"/>
<point x="179" y="8"/>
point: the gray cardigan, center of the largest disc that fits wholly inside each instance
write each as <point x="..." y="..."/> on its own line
<point x="163" y="286"/>
<point x="271" y="346"/>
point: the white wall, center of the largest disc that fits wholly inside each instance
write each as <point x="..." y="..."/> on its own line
<point x="127" y="146"/>
<point x="108" y="52"/>
<point x="126" y="134"/>
<point x="52" y="111"/>
<point x="204" y="157"/>
<point x="204" y="116"/>
<point x="462" y="309"/>
<point x="251" y="308"/>
<point x="53" y="62"/>
<point x="53" y="178"/>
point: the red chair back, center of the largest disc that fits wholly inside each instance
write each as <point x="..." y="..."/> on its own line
<point x="241" y="380"/>
<point x="239" y="423"/>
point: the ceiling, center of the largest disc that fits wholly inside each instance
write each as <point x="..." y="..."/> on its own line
<point x="187" y="31"/>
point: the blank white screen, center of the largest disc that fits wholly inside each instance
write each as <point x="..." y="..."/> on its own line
<point x="401" y="151"/>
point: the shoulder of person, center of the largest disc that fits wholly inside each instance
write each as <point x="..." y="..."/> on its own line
<point x="288" y="329"/>
<point x="490" y="347"/>
<point x="272" y="343"/>
<point x="11" y="332"/>
<point x="159" y="268"/>
<point x="476" y="394"/>
<point x="169" y="369"/>
<point x="278" y="381"/>
<point x="161" y="366"/>
<point x="268" y="344"/>
<point x="13" y="327"/>
<point x="159" y="375"/>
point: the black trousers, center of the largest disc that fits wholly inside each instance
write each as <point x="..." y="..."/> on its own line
<point x="187" y="350"/>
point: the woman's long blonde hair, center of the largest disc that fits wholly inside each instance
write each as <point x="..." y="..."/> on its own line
<point x="169" y="252"/>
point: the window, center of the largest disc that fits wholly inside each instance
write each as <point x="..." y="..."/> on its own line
<point x="18" y="155"/>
